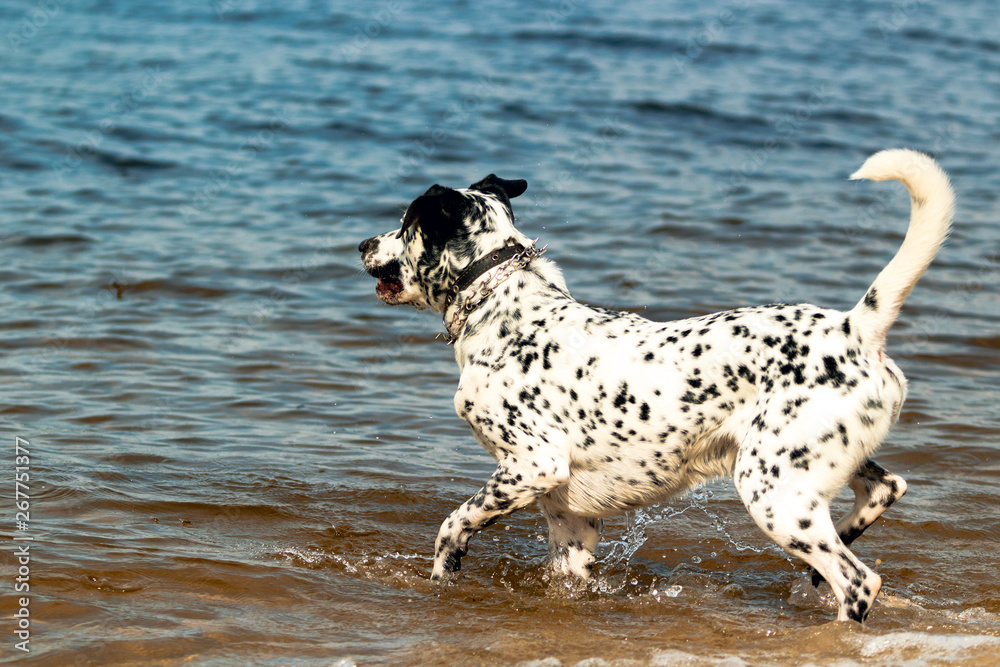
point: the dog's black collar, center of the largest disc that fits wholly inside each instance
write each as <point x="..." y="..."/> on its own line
<point x="479" y="267"/>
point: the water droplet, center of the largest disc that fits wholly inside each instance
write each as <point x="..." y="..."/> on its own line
<point x="695" y="559"/>
<point x="673" y="591"/>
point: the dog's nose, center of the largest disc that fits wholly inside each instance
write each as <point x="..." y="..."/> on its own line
<point x="368" y="245"/>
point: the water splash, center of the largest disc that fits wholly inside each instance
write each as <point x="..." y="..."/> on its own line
<point x="634" y="536"/>
<point x="698" y="500"/>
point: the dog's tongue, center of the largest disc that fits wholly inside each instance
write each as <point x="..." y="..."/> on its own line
<point x="386" y="287"/>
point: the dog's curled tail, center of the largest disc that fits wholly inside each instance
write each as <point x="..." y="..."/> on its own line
<point x="931" y="206"/>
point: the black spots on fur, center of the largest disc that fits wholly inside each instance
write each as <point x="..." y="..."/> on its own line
<point x="832" y="373"/>
<point x="573" y="395"/>
<point x="871" y="299"/>
<point x="579" y="373"/>
<point x="846" y="326"/>
<point x="710" y="392"/>
<point x="791" y="405"/>
<point x="686" y="333"/>
<point x="513" y="412"/>
<point x="805" y="523"/>
<point x="771" y="341"/>
<point x="546" y="351"/>
<point x="775" y="472"/>
<point x="794" y="370"/>
<point x="791" y="349"/>
<point x="696" y="352"/>
<point x="859" y="615"/>
<point x="623" y="398"/>
<point x="799" y="546"/>
<point x="798" y="457"/>
<point x="745" y="373"/>
<point x="694" y="382"/>
<point x="741" y="330"/>
<point x="644" y="412"/>
<point x="842" y="430"/>
<point x="526" y="361"/>
<point x="649" y="356"/>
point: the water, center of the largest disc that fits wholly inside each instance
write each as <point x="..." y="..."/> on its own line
<point x="238" y="456"/>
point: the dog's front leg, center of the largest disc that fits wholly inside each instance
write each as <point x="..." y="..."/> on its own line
<point x="515" y="484"/>
<point x="572" y="538"/>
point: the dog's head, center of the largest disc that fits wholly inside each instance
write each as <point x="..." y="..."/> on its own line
<point x="443" y="232"/>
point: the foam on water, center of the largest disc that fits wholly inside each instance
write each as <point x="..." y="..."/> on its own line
<point x="921" y="648"/>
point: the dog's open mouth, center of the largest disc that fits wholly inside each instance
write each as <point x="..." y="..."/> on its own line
<point x="388" y="287"/>
<point x="389" y="282"/>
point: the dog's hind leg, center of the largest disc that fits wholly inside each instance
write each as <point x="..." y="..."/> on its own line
<point x="516" y="483"/>
<point x="791" y="507"/>
<point x="572" y="538"/>
<point x="875" y="490"/>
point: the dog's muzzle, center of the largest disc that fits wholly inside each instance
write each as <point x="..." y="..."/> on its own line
<point x="388" y="275"/>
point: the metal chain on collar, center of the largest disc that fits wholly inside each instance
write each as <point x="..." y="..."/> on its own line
<point x="514" y="264"/>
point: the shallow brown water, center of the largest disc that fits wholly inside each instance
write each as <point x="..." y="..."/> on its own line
<point x="239" y="457"/>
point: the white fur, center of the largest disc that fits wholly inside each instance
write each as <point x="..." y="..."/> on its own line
<point x="932" y="208"/>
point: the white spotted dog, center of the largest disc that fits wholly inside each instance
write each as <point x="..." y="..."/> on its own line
<point x="592" y="412"/>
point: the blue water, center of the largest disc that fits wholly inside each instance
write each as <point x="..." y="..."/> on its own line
<point x="238" y="456"/>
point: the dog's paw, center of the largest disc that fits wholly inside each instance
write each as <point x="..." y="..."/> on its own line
<point x="444" y="578"/>
<point x="447" y="565"/>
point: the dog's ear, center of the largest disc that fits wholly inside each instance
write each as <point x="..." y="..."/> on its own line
<point x="507" y="190"/>
<point x="438" y="213"/>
